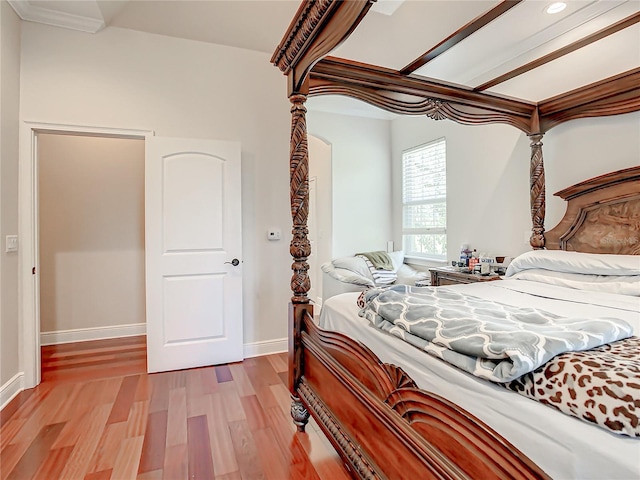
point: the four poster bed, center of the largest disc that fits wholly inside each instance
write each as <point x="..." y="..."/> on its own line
<point x="393" y="411"/>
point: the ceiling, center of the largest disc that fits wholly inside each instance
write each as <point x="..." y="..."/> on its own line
<point x="396" y="33"/>
<point x="251" y="24"/>
<point x="521" y="35"/>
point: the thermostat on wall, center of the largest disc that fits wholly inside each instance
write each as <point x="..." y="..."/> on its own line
<point x="274" y="234"/>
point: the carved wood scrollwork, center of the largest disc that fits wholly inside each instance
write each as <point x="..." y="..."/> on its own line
<point x="299" y="413"/>
<point x="537" y="183"/>
<point x="606" y="227"/>
<point x="399" y="378"/>
<point x="435" y="111"/>
<point x="306" y="23"/>
<point x="363" y="467"/>
<point x="300" y="248"/>
<point x="380" y="379"/>
<point x="434" y="108"/>
<point x="443" y="110"/>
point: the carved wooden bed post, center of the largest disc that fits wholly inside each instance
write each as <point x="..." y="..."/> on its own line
<point x="317" y="28"/>
<point x="299" y="188"/>
<point x="537" y="183"/>
<point x="300" y="249"/>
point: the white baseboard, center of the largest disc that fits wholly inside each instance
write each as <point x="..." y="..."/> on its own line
<point x="255" y="349"/>
<point x="11" y="389"/>
<point x="96" y="333"/>
<point x="266" y="347"/>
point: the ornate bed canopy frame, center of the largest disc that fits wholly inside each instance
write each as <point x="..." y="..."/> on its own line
<point x="329" y="371"/>
<point x="320" y="26"/>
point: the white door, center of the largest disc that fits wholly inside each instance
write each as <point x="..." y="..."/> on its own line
<point x="192" y="236"/>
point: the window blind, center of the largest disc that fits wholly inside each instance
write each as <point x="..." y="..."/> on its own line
<point x="424" y="200"/>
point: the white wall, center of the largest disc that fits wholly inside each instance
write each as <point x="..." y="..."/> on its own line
<point x="585" y="148"/>
<point x="180" y="88"/>
<point x="320" y="170"/>
<point x="361" y="180"/>
<point x="485" y="166"/>
<point x="488" y="173"/>
<point x="91" y="231"/>
<point x="9" y="109"/>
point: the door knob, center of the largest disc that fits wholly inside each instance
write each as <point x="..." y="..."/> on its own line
<point x="235" y="262"/>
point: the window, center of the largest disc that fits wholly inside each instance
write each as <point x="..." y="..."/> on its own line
<point x="424" y="200"/>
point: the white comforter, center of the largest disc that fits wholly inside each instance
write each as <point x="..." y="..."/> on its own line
<point x="563" y="446"/>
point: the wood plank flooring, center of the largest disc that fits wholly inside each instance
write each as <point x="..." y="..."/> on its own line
<point x="98" y="416"/>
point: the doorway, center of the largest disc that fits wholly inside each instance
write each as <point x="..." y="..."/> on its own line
<point x="192" y="212"/>
<point x="73" y="264"/>
<point x="91" y="249"/>
<point x="90" y="237"/>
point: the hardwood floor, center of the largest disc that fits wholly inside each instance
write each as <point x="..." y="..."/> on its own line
<point x="98" y="416"/>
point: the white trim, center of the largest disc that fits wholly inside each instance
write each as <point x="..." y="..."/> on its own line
<point x="34" y="13"/>
<point x="70" y="129"/>
<point x="10" y="389"/>
<point x="94" y="333"/>
<point x="266" y="347"/>
<point x="28" y="284"/>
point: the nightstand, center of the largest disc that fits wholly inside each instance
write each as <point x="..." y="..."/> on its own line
<point x="448" y="276"/>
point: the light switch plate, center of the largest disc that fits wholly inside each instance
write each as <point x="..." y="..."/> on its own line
<point x="11" y="243"/>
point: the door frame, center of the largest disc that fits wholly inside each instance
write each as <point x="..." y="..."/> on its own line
<point x="28" y="235"/>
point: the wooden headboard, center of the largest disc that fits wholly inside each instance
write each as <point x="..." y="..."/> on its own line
<point x="603" y="215"/>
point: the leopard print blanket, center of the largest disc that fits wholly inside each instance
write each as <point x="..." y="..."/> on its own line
<point x="601" y="385"/>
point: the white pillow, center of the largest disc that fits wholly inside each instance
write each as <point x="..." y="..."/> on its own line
<point x="397" y="259"/>
<point x="408" y="275"/>
<point x="576" y="262"/>
<point x="354" y="264"/>
<point x="618" y="284"/>
<point x="346" y="276"/>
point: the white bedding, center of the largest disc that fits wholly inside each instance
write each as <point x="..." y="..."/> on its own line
<point x="563" y="446"/>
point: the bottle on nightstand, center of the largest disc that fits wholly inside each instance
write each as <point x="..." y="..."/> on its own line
<point x="474" y="260"/>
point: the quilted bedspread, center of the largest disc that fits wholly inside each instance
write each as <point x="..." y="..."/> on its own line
<point x="491" y="340"/>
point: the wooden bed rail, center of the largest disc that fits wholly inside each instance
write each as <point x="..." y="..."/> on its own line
<point x="389" y="427"/>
